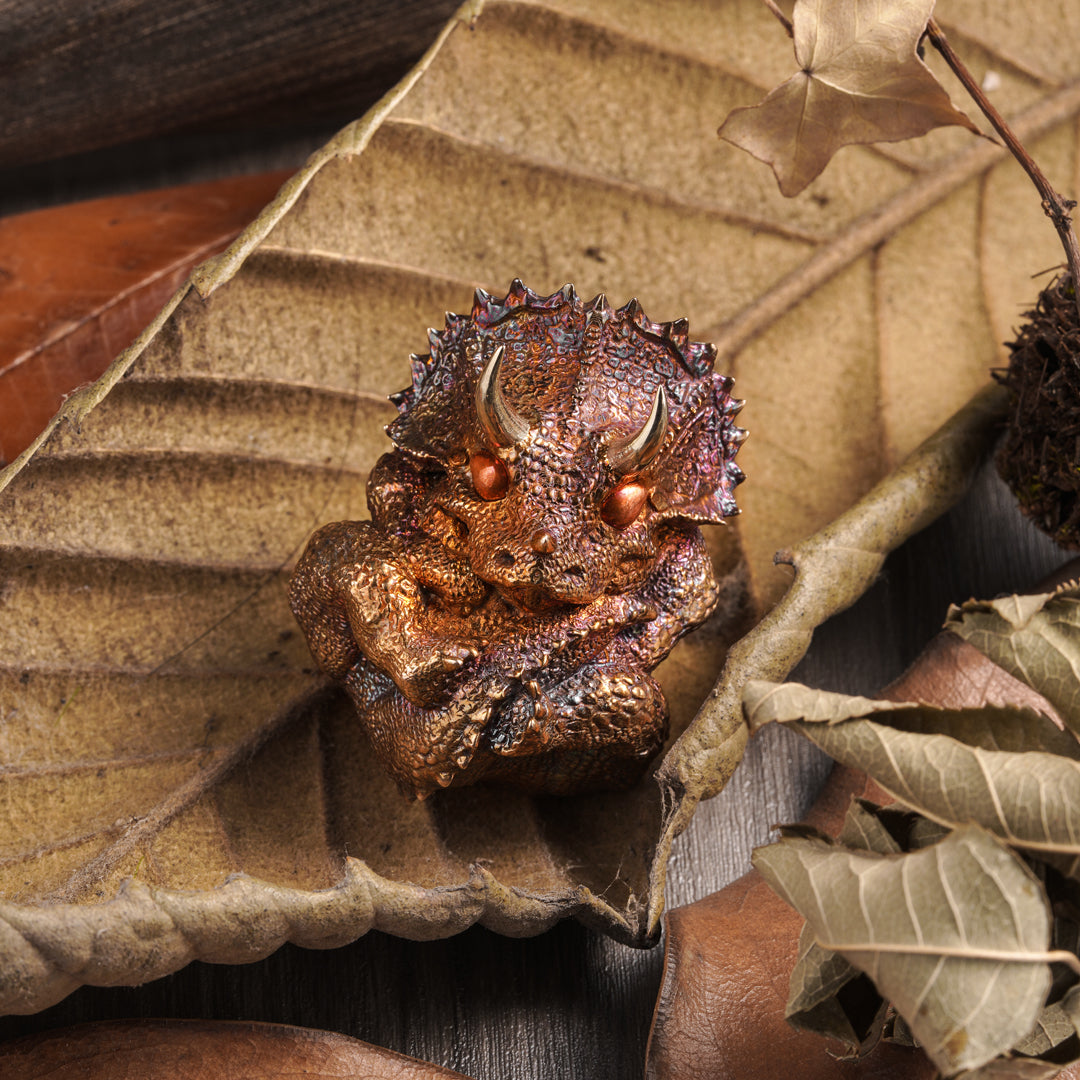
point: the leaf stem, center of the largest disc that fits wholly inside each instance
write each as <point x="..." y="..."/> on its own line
<point x="1055" y="206"/>
<point x="785" y="22"/>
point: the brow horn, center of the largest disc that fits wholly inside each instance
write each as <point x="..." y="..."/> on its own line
<point x="501" y="423"/>
<point x="634" y="453"/>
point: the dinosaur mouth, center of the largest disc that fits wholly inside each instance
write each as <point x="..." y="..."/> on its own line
<point x="537" y="599"/>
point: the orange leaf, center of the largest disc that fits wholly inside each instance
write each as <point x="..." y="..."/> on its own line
<point x="205" y="1050"/>
<point x="78" y="283"/>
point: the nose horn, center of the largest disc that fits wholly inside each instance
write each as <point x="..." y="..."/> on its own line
<point x="542" y="542"/>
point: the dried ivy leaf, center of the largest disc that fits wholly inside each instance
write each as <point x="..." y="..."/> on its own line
<point x="1035" y="638"/>
<point x="860" y="81"/>
<point x="161" y="721"/>
<point x="205" y="1050"/>
<point x="956" y="936"/>
<point x="997" y="766"/>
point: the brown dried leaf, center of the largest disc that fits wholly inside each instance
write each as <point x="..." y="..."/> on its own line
<point x="205" y="1050"/>
<point x="1009" y="770"/>
<point x="860" y="81"/>
<point x="160" y="719"/>
<point x="1036" y="639"/>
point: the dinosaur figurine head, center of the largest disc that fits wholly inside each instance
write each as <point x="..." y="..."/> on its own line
<point x="568" y="433"/>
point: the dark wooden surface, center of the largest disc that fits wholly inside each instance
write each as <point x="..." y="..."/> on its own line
<point x="569" y="1003"/>
<point x="77" y="76"/>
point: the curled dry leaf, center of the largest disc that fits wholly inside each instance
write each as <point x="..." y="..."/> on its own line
<point x="205" y="1050"/>
<point x="161" y="723"/>
<point x="1002" y="768"/>
<point x="861" y="80"/>
<point x="956" y="936"/>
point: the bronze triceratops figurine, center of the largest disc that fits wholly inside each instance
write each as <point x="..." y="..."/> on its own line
<point x="533" y="550"/>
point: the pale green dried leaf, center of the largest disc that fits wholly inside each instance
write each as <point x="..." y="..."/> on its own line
<point x="864" y="831"/>
<point x="955" y="936"/>
<point x="818" y="976"/>
<point x="1056" y="1023"/>
<point x="1026" y="793"/>
<point x="1036" y="638"/>
<point x="1013" y="1068"/>
<point x="860" y="81"/>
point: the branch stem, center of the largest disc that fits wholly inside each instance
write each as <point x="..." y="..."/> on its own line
<point x="1055" y="206"/>
<point x="785" y="22"/>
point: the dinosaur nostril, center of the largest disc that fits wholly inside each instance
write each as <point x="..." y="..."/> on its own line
<point x="503" y="559"/>
<point x="574" y="573"/>
<point x="542" y="542"/>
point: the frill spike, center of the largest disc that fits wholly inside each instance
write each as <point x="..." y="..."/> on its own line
<point x="481" y="303"/>
<point x="678" y="333"/>
<point x="632" y="310"/>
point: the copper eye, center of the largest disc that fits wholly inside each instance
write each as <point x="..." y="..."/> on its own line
<point x="489" y="476"/>
<point x="624" y="504"/>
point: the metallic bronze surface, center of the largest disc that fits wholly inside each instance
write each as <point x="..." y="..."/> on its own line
<point x="533" y="551"/>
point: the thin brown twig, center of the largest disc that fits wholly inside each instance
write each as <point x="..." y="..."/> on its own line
<point x="1055" y="206"/>
<point x="785" y="22"/>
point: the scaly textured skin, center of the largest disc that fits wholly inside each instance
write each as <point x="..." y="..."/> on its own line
<point x="523" y="571"/>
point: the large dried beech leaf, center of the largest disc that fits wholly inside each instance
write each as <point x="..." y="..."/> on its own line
<point x="860" y="80"/>
<point x="161" y="724"/>
<point x="205" y="1050"/>
<point x="955" y="936"/>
